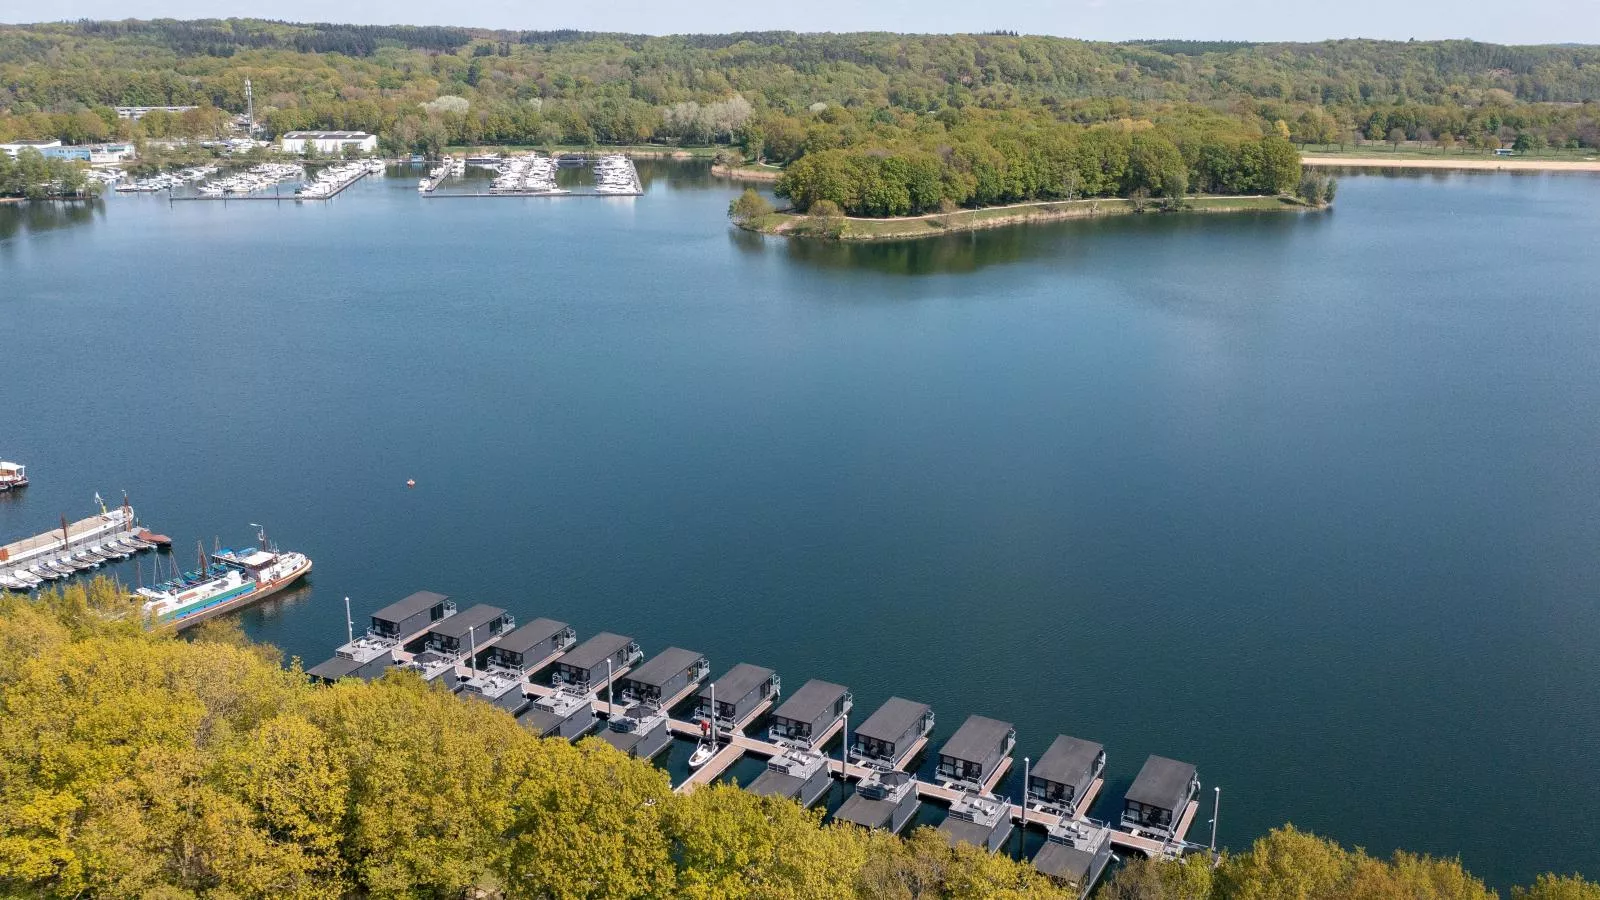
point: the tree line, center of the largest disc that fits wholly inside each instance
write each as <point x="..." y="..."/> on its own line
<point x="36" y="177"/>
<point x="140" y="765"/>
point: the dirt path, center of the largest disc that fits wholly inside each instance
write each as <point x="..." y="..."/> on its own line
<point x="1489" y="165"/>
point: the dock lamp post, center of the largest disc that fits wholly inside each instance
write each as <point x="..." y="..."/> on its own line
<point x="472" y="661"/>
<point x="349" y="623"/>
<point x="1026" y="761"/>
<point x="1216" y="803"/>
<point x="844" y="752"/>
<point x="611" y="691"/>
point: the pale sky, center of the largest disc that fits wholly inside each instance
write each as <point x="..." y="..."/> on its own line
<point x="1497" y="21"/>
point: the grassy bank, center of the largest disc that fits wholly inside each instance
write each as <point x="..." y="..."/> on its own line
<point x="747" y="172"/>
<point x="848" y="228"/>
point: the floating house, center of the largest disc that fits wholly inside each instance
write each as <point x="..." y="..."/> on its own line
<point x="560" y="714"/>
<point x="889" y="735"/>
<point x="1063" y="775"/>
<point x="809" y="713"/>
<point x="365" y="657"/>
<point x="499" y="687"/>
<point x="468" y="631"/>
<point x="976" y="752"/>
<point x="982" y="820"/>
<point x="640" y="732"/>
<point x="667" y="674"/>
<point x="1159" y="795"/>
<point x="799" y="774"/>
<point x="1075" y="854"/>
<point x="883" y="799"/>
<point x="523" y="649"/>
<point x="404" y="620"/>
<point x="739" y="693"/>
<point x="585" y="664"/>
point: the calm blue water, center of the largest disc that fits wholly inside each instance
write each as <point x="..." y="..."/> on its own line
<point x="1309" y="501"/>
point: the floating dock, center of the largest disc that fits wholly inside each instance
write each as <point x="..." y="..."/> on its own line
<point x="75" y="547"/>
<point x="1161" y="804"/>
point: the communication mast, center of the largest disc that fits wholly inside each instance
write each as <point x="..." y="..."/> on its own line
<point x="249" y="109"/>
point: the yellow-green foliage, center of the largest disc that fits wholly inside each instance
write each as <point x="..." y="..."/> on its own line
<point x="135" y="765"/>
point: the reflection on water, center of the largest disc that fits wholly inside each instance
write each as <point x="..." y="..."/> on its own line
<point x="1063" y="241"/>
<point x="47" y="215"/>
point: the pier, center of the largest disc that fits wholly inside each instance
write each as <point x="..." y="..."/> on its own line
<point x="1158" y="813"/>
<point x="74" y="547"/>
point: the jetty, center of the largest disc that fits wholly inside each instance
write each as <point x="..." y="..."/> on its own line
<point x="75" y="547"/>
<point x="599" y="683"/>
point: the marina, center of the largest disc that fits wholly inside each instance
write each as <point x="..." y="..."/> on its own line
<point x="425" y="633"/>
<point x="75" y="547"/>
<point x="331" y="181"/>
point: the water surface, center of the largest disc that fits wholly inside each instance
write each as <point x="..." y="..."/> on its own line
<point x="1307" y="500"/>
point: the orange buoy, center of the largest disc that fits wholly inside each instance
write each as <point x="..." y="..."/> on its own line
<point x="411" y="482"/>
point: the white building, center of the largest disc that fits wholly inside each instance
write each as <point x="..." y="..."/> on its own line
<point x="330" y="142"/>
<point x="137" y="112"/>
<point x="15" y="147"/>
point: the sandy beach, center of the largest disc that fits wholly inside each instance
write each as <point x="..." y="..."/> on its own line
<point x="1491" y="165"/>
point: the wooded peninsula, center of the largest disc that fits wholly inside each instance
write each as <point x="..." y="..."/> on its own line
<point x="866" y="125"/>
<point x="135" y="764"/>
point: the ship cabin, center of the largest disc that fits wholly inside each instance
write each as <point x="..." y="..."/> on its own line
<point x="883" y="799"/>
<point x="889" y="735"/>
<point x="976" y="752"/>
<point x="365" y="657"/>
<point x="982" y="820"/>
<point x="1064" y="774"/>
<point x="403" y="620"/>
<point x="1075" y="854"/>
<point x="585" y="664"/>
<point x="810" y="713"/>
<point x="641" y="731"/>
<point x="468" y="631"/>
<point x="523" y="650"/>
<point x="560" y="714"/>
<point x="799" y="774"/>
<point x="1159" y="795"/>
<point x="740" y="692"/>
<point x="668" y="674"/>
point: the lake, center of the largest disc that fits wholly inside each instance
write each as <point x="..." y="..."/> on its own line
<point x="1307" y="500"/>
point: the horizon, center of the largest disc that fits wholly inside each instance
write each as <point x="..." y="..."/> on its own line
<point x="1537" y="23"/>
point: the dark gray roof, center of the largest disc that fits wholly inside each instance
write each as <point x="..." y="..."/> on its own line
<point x="594" y="651"/>
<point x="541" y="721"/>
<point x="960" y="830"/>
<point x="812" y="700"/>
<point x="776" y="784"/>
<point x="335" y="668"/>
<point x="738" y="681"/>
<point x="410" y="606"/>
<point x="1162" y="783"/>
<point x="664" y="666"/>
<point x="893" y="719"/>
<point x="458" y="625"/>
<point x="1067" y="760"/>
<point x="1061" y="861"/>
<point x="525" y="637"/>
<point x="865" y="812"/>
<point x="976" y="739"/>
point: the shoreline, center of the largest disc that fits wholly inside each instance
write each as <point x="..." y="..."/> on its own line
<point x="745" y="173"/>
<point x="1472" y="165"/>
<point x="850" y="228"/>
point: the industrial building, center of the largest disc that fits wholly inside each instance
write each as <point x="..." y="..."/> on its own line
<point x="329" y="142"/>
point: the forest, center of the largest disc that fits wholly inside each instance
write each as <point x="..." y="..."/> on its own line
<point x="885" y="117"/>
<point x="144" y="765"/>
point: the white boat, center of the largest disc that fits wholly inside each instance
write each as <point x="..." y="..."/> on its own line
<point x="227" y="580"/>
<point x="702" y="754"/>
<point x="13" y="475"/>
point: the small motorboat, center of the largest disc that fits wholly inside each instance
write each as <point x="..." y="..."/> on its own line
<point x="703" y="752"/>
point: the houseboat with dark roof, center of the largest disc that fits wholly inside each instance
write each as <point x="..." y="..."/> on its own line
<point x="982" y="820"/>
<point x="1064" y="774"/>
<point x="884" y="799"/>
<point x="889" y="735"/>
<point x="739" y="693"/>
<point x="640" y="731"/>
<point x="468" y="632"/>
<point x="524" y="649"/>
<point x="667" y="674"/>
<point x="976" y="752"/>
<point x="405" y="620"/>
<point x="799" y="774"/>
<point x="370" y="655"/>
<point x="559" y="714"/>
<point x="585" y="664"/>
<point x="1075" y="854"/>
<point x="809" y="713"/>
<point x="1158" y="797"/>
